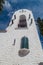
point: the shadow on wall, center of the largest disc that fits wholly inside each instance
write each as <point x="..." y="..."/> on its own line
<point x="41" y="63"/>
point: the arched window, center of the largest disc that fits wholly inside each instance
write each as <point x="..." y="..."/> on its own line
<point x="22" y="21"/>
<point x="24" y="43"/>
<point x="24" y="49"/>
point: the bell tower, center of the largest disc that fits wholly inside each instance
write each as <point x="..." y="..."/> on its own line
<point x="27" y="46"/>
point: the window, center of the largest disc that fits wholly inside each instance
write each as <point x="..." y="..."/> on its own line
<point x="31" y="22"/>
<point x="24" y="42"/>
<point x="14" y="42"/>
<point x="24" y="49"/>
<point x="14" y="16"/>
<point x="22" y="21"/>
<point x="29" y="16"/>
<point x="12" y="21"/>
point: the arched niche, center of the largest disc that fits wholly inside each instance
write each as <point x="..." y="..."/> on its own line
<point x="22" y="21"/>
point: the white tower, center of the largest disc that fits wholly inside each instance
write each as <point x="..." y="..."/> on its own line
<point x="21" y="44"/>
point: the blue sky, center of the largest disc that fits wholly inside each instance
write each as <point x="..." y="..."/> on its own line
<point x="11" y="6"/>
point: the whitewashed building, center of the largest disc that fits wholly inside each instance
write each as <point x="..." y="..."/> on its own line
<point x="20" y="44"/>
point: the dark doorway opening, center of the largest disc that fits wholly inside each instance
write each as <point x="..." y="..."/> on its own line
<point x="22" y="21"/>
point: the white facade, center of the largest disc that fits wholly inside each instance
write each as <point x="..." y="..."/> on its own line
<point x="9" y="51"/>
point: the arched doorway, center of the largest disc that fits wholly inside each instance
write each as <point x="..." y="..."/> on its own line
<point x="22" y="21"/>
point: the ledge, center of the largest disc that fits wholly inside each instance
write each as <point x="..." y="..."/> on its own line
<point x="21" y="28"/>
<point x="23" y="52"/>
<point x="3" y="31"/>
